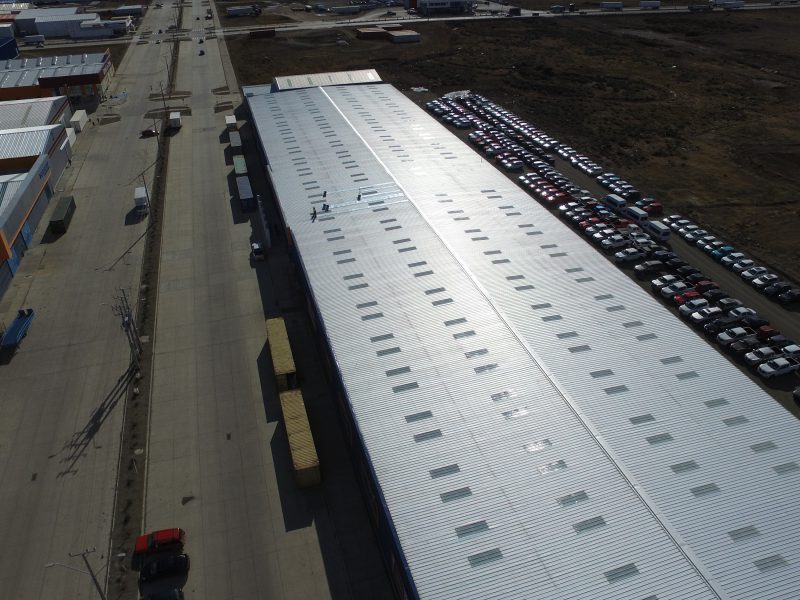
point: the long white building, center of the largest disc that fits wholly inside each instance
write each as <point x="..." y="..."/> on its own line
<point x="530" y="423"/>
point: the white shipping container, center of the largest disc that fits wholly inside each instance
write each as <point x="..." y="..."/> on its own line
<point x="175" y="120"/>
<point x="79" y="120"/>
<point x="230" y="122"/>
<point x="236" y="141"/>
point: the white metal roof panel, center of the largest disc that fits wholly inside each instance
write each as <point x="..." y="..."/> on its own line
<point x="66" y="18"/>
<point x="34" y="13"/>
<point x="30" y="112"/>
<point x="293" y="82"/>
<point x="29" y="141"/>
<point x="430" y="256"/>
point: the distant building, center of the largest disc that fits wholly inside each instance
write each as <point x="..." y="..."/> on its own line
<point x="431" y="7"/>
<point x="84" y="78"/>
<point x="60" y="26"/>
<point x="26" y="20"/>
<point x="129" y="10"/>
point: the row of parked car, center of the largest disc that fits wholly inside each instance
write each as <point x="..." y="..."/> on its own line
<point x="515" y="144"/>
<point x="769" y="284"/>
<point x="739" y="330"/>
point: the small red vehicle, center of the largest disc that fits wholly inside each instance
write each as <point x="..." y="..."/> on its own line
<point x="163" y="540"/>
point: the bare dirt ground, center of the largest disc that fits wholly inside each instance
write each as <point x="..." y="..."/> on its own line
<point x="699" y="110"/>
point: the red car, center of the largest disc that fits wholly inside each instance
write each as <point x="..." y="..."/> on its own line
<point x="655" y="209"/>
<point x="706" y="285"/>
<point x="160" y="541"/>
<point x="685" y="297"/>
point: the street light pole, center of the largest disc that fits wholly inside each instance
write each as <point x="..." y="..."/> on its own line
<point x="88" y="571"/>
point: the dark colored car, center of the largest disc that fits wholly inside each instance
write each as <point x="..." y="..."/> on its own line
<point x="727" y="304"/>
<point x="163" y="566"/>
<point x="776" y="288"/>
<point x="714" y="295"/>
<point x="647" y="268"/>
<point x="745" y="345"/>
<point x="790" y="296"/>
<point x="718" y="325"/>
<point x="687" y="270"/>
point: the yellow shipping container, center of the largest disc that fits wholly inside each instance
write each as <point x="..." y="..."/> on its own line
<point x="301" y="443"/>
<point x="281" y="352"/>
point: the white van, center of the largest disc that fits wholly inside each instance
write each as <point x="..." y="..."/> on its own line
<point x="635" y="214"/>
<point x="614" y="201"/>
<point x="657" y="230"/>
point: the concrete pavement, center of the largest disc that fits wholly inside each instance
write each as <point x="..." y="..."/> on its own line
<point x="62" y="398"/>
<point x="218" y="458"/>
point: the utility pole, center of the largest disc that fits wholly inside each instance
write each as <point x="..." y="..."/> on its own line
<point x="163" y="102"/>
<point x="89" y="569"/>
<point x="122" y="308"/>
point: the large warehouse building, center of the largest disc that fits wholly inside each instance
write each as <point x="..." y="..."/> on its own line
<point x="34" y="151"/>
<point x="530" y="423"/>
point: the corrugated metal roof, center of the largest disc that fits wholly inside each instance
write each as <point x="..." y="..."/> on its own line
<point x="30" y="112"/>
<point x="13" y="7"/>
<point x="538" y="424"/>
<point x="292" y="82"/>
<point x="26" y="72"/>
<point x="66" y="18"/>
<point x="28" y="141"/>
<point x="17" y="64"/>
<point x="35" y="13"/>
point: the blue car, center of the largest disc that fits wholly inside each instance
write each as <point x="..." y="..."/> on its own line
<point x="721" y="252"/>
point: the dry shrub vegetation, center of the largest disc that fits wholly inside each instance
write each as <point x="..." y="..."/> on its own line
<point x="699" y="110"/>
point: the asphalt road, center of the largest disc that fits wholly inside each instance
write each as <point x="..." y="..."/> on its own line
<point x="218" y="455"/>
<point x="62" y="400"/>
<point x="785" y="319"/>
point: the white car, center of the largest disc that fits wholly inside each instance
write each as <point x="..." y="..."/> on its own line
<point x="675" y="289"/>
<point x="704" y="315"/>
<point x="732" y="259"/>
<point x="694" y="235"/>
<point x="629" y="255"/>
<point x="614" y="241"/>
<point x="762" y="354"/>
<point x="741" y="311"/>
<point x="764" y="280"/>
<point x="778" y="366"/>
<point x="753" y="273"/>
<point x="664" y="281"/>
<point x="702" y="242"/>
<point x="727" y="337"/>
<point x="692" y="306"/>
<point x="743" y="265"/>
<point x="676" y="226"/>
